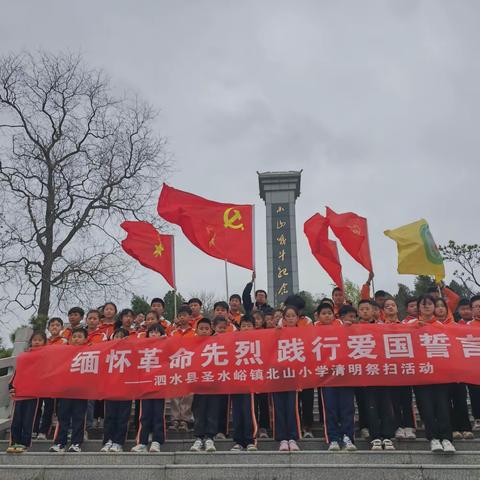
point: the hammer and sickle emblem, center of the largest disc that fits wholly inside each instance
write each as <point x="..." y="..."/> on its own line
<point x="232" y="219"/>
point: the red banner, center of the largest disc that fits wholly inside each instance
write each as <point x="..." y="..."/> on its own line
<point x="255" y="361"/>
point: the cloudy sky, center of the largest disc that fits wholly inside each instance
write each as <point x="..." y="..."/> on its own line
<point x="377" y="102"/>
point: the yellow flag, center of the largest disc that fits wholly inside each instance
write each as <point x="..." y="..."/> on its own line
<point x="418" y="253"/>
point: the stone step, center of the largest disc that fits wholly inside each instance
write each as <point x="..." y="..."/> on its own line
<point x="241" y="472"/>
<point x="263" y="445"/>
<point x="242" y="458"/>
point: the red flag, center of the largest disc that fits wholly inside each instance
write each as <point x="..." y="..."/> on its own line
<point x="222" y="230"/>
<point x="352" y="231"/>
<point x="152" y="249"/>
<point x="323" y="249"/>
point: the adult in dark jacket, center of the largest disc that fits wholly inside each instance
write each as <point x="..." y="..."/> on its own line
<point x="260" y="298"/>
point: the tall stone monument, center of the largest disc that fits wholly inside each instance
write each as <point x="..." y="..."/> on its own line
<point x="279" y="190"/>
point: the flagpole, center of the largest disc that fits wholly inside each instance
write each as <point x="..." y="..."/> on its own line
<point x="253" y="247"/>
<point x="226" y="278"/>
<point x="174" y="305"/>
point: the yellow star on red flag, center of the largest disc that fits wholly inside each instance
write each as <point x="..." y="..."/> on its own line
<point x="159" y="248"/>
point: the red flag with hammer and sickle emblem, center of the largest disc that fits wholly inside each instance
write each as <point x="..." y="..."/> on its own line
<point x="352" y="231"/>
<point x="152" y="249"/>
<point x="323" y="249"/>
<point x="221" y="230"/>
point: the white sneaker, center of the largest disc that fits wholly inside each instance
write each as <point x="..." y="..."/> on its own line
<point x="41" y="436"/>
<point x="140" y="448"/>
<point x="210" y="445"/>
<point x="308" y="434"/>
<point x="251" y="447"/>
<point x="388" y="444"/>
<point x="293" y="446"/>
<point x="107" y="447"/>
<point x="457" y="435"/>
<point x="220" y="436"/>
<point x="284" y="446"/>
<point x="75" y="448"/>
<point x="400" y="434"/>
<point x="116" y="448"/>
<point x="197" y="445"/>
<point x="436" y="446"/>
<point x="466" y="435"/>
<point x="448" y="446"/>
<point x="376" y="444"/>
<point x="349" y="446"/>
<point x="364" y="433"/>
<point x="476" y="424"/>
<point x="334" y="447"/>
<point x="155" y="447"/>
<point x="236" y="448"/>
<point x="57" y="448"/>
<point x="410" y="434"/>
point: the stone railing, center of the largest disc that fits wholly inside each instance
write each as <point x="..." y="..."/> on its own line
<point x="8" y="364"/>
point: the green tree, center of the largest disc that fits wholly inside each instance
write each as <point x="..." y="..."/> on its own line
<point x="169" y="299"/>
<point x="352" y="291"/>
<point x="4" y="352"/>
<point x="460" y="290"/>
<point x="140" y="305"/>
<point x="401" y="296"/>
<point x="422" y="283"/>
<point x="467" y="260"/>
<point x="310" y="303"/>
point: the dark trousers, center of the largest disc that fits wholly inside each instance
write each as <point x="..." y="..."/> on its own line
<point x="152" y="420"/>
<point x="305" y="398"/>
<point x="362" y="411"/>
<point x="285" y="414"/>
<point x="457" y="393"/>
<point x="205" y="409"/>
<point x="434" y="410"/>
<point x="70" y="412"/>
<point x="262" y="410"/>
<point x="223" y="413"/>
<point x="402" y="407"/>
<point x="321" y="406"/>
<point x="340" y="413"/>
<point x="379" y="411"/>
<point x="99" y="409"/>
<point x="115" y="425"/>
<point x="474" y="391"/>
<point x="22" y="421"/>
<point x="244" y="423"/>
<point x="44" y="416"/>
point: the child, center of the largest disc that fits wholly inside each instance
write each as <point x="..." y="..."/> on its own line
<point x="158" y="305"/>
<point x="24" y="410"/>
<point x="411" y="309"/>
<point x="220" y="325"/>
<point x="152" y="413"/>
<point x="338" y="298"/>
<point x="432" y="400"/>
<point x="94" y="335"/>
<point x="125" y="320"/>
<point x="348" y="315"/>
<point x="220" y="309"/>
<point x="196" y="306"/>
<point x="286" y="403"/>
<point x="75" y="317"/>
<point x="259" y="319"/>
<point x="235" y="314"/>
<point x="117" y="413"/>
<point x="46" y="406"/>
<point x="377" y="400"/>
<point x="269" y="318"/>
<point x="71" y="412"/>
<point x="338" y="402"/>
<point x="107" y="323"/>
<point x="151" y="319"/>
<point x="457" y="392"/>
<point x="181" y="407"/>
<point x="244" y="422"/>
<point x="205" y="407"/>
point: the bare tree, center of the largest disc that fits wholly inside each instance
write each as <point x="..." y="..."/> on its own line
<point x="75" y="160"/>
<point x="467" y="258"/>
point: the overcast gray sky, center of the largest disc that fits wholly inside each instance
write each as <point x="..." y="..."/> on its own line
<point x="377" y="102"/>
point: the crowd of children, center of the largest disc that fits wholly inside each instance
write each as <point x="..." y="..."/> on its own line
<point x="384" y="413"/>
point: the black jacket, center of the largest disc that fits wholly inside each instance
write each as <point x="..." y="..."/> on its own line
<point x="247" y="300"/>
